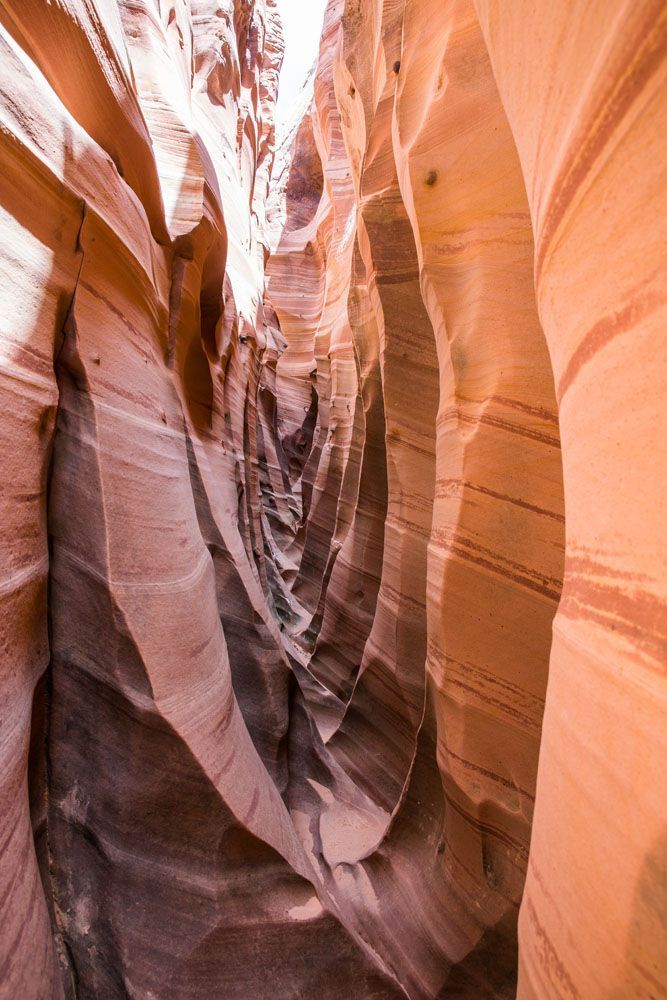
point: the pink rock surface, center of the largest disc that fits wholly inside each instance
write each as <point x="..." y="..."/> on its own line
<point x="332" y="510"/>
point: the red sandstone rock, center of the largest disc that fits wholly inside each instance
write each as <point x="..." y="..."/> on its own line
<point x="284" y="509"/>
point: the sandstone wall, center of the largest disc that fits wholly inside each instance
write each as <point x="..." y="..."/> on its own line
<point x="318" y="465"/>
<point x="137" y="146"/>
<point x="506" y="287"/>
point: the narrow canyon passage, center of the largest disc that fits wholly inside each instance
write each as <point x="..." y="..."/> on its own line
<point x="332" y="519"/>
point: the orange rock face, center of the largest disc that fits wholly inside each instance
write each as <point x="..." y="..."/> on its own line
<point x="332" y="509"/>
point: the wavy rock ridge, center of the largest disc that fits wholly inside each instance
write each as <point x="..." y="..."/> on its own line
<point x="318" y="463"/>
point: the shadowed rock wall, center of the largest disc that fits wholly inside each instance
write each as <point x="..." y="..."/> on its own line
<point x="301" y="450"/>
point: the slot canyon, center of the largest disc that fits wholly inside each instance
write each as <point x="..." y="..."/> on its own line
<point x="333" y="590"/>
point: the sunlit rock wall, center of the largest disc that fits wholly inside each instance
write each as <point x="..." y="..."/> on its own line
<point x="425" y="568"/>
<point x="301" y="448"/>
<point x="494" y="216"/>
<point x="591" y="142"/>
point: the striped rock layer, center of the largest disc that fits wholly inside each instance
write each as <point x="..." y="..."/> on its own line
<point x="332" y="508"/>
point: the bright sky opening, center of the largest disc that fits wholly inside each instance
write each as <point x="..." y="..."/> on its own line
<point x="302" y="24"/>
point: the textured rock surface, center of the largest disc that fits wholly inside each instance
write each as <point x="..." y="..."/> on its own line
<point x="285" y="518"/>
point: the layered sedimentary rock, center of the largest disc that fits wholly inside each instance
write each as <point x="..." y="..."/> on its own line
<point x="331" y="502"/>
<point x="420" y="253"/>
<point x="591" y="151"/>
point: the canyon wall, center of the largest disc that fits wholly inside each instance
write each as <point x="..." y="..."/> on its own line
<point x="332" y="510"/>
